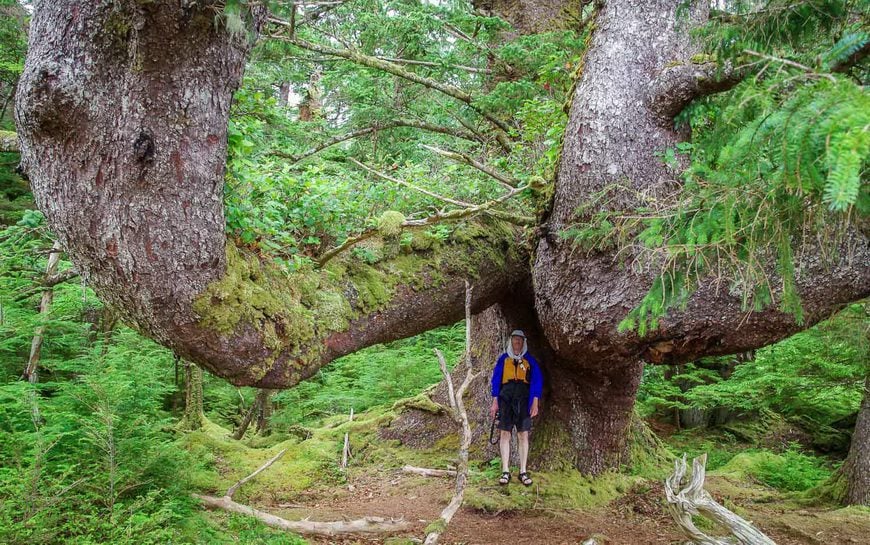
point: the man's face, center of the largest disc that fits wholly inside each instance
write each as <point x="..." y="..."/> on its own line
<point x="517" y="344"/>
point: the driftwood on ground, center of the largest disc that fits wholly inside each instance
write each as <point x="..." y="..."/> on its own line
<point x="693" y="500"/>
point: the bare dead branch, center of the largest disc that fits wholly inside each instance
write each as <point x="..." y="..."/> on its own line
<point x="412" y="123"/>
<point x="232" y="490"/>
<point x="426" y="472"/>
<point x="506" y="180"/>
<point x="345" y="452"/>
<point x="367" y="525"/>
<point x="461" y="416"/>
<point x="390" y="68"/>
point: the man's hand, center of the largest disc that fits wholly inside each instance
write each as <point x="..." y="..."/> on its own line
<point x="493" y="408"/>
<point x="534" y="412"/>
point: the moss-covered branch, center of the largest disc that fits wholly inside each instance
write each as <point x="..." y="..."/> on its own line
<point x="283" y="327"/>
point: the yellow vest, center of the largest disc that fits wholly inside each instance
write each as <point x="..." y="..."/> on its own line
<point x="516" y="371"/>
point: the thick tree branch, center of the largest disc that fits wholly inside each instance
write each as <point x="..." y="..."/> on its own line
<point x="145" y="219"/>
<point x="422" y="125"/>
<point x="678" y="85"/>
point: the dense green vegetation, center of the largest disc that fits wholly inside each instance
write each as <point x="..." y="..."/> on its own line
<point x="92" y="451"/>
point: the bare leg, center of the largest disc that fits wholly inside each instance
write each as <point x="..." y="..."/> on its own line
<point x="504" y="446"/>
<point x="523" y="442"/>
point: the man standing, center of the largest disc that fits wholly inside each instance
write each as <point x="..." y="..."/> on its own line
<point x="516" y="390"/>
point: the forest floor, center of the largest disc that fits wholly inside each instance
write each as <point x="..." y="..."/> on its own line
<point x="638" y="517"/>
<point x="562" y="507"/>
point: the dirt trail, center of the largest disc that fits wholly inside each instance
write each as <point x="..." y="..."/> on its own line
<point x="637" y="518"/>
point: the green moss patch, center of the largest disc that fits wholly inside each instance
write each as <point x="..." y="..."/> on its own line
<point x="291" y="311"/>
<point x="564" y="489"/>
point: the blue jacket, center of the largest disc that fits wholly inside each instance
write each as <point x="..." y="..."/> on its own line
<point x="536" y="386"/>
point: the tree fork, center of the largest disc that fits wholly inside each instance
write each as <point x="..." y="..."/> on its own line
<point x="139" y="209"/>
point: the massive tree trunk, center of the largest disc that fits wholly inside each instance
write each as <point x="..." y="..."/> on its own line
<point x="636" y="75"/>
<point x="856" y="469"/>
<point x="126" y="147"/>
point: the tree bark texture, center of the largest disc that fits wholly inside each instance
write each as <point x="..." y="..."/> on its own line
<point x="531" y="16"/>
<point x="614" y="136"/>
<point x="857" y="466"/>
<point x="126" y="151"/>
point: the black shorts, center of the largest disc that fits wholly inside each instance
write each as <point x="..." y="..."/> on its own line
<point x="513" y="407"/>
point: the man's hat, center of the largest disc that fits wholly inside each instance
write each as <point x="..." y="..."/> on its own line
<point x="518" y="333"/>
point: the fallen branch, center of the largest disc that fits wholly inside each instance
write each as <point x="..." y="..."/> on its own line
<point x="694" y="500"/>
<point x="427" y="472"/>
<point x="232" y="490"/>
<point x="367" y="525"/>
<point x="438" y="527"/>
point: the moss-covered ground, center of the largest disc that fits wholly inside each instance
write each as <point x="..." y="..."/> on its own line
<point x="308" y="482"/>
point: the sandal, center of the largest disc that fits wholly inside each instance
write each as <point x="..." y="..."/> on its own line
<point x="525" y="479"/>
<point x="505" y="478"/>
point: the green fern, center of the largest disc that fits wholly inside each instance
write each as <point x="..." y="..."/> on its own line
<point x="845" y="47"/>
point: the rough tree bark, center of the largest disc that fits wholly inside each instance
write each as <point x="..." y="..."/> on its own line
<point x="620" y="119"/>
<point x="126" y="152"/>
<point x="125" y="148"/>
<point x="856" y="469"/>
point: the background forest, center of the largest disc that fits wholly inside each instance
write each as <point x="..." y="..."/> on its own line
<point x="104" y="433"/>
